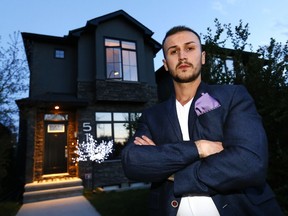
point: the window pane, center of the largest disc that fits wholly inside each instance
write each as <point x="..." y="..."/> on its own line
<point x="120" y="117"/>
<point x="129" y="65"/>
<point x="113" y="55"/>
<point x="128" y="45"/>
<point x="130" y="73"/>
<point x="55" y="117"/>
<point x="103" y="116"/>
<point x="114" y="70"/>
<point x="113" y="65"/>
<point x="59" y="54"/>
<point x="103" y="130"/>
<point x="111" y="42"/>
<point x="121" y="134"/>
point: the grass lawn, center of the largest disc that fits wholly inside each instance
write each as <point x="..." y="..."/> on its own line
<point x="121" y="203"/>
<point x="9" y="208"/>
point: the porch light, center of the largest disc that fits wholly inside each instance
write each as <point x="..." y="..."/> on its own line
<point x="56" y="107"/>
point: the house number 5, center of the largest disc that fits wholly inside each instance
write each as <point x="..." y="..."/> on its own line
<point x="87" y="127"/>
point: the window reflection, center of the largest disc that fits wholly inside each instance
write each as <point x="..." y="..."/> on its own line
<point x="104" y="130"/>
<point x="111" y="42"/>
<point x="118" y="126"/>
<point x="121" y="60"/>
<point x="103" y="116"/>
<point x="120" y="116"/>
<point x="121" y="134"/>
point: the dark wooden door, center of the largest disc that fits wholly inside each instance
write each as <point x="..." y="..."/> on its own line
<point x="55" y="160"/>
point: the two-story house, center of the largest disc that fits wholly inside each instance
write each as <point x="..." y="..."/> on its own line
<point x="92" y="82"/>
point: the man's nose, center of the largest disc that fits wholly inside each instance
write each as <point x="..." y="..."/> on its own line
<point x="182" y="55"/>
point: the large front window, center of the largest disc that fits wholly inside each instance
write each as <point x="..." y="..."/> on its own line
<point x="121" y="61"/>
<point x="118" y="126"/>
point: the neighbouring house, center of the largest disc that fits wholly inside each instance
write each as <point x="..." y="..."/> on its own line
<point x="94" y="81"/>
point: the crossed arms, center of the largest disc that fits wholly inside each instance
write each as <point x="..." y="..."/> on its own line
<point x="236" y="162"/>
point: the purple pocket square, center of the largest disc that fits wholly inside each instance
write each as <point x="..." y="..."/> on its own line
<point x="205" y="104"/>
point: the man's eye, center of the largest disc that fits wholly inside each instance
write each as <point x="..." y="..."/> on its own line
<point x="173" y="52"/>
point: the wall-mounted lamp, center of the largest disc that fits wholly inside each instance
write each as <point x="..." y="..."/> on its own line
<point x="56" y="107"/>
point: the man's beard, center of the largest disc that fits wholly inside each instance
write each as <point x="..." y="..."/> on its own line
<point x="188" y="79"/>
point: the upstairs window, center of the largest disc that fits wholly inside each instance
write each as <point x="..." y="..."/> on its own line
<point x="121" y="61"/>
<point x="59" y="54"/>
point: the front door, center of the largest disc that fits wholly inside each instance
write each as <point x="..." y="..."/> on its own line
<point x="55" y="152"/>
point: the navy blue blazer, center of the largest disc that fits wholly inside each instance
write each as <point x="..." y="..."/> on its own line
<point x="234" y="178"/>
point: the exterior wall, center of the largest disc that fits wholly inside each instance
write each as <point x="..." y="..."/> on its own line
<point x="49" y="74"/>
<point x="86" y="58"/>
<point x="39" y="145"/>
<point x="107" y="173"/>
<point x="27" y="142"/>
<point x="121" y="91"/>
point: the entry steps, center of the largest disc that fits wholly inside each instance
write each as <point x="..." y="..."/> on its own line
<point x="52" y="188"/>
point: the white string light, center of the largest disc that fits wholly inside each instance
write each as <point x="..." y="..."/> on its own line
<point x="91" y="150"/>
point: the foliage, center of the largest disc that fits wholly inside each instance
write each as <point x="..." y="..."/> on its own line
<point x="6" y="151"/>
<point x="265" y="75"/>
<point x="13" y="78"/>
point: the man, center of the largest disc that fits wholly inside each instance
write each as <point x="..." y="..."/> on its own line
<point x="205" y="149"/>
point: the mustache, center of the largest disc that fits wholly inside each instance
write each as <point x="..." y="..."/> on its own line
<point x="184" y="63"/>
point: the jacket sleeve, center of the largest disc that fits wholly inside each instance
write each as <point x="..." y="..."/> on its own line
<point x="241" y="164"/>
<point x="155" y="163"/>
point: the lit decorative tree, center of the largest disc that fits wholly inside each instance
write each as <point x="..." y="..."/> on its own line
<point x="91" y="150"/>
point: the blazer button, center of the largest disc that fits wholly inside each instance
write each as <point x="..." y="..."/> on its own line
<point x="174" y="204"/>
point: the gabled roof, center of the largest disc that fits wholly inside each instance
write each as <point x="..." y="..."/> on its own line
<point x="47" y="38"/>
<point x="120" y="13"/>
<point x="91" y="24"/>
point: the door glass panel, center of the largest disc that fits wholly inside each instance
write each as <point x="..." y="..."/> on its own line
<point x="56" y="128"/>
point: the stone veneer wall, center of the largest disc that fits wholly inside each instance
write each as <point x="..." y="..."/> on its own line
<point x="27" y="141"/>
<point x="39" y="145"/>
<point x="71" y="144"/>
<point x="103" y="174"/>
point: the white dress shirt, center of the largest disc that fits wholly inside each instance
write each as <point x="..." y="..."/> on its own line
<point x="192" y="205"/>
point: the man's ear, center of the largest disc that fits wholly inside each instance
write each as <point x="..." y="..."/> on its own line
<point x="165" y="64"/>
<point x="203" y="57"/>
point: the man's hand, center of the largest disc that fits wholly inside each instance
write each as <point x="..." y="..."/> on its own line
<point x="206" y="147"/>
<point x="143" y="140"/>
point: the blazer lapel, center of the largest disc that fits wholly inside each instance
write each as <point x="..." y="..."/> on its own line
<point x="192" y="114"/>
<point x="172" y="113"/>
<point x="173" y="118"/>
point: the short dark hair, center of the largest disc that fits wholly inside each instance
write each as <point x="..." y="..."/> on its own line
<point x="177" y="29"/>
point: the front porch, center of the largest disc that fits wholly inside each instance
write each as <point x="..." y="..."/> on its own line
<point x="53" y="187"/>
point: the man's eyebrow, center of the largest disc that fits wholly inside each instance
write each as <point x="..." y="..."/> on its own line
<point x="187" y="43"/>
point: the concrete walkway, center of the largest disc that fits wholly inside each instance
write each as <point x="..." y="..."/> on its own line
<point x="71" y="206"/>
